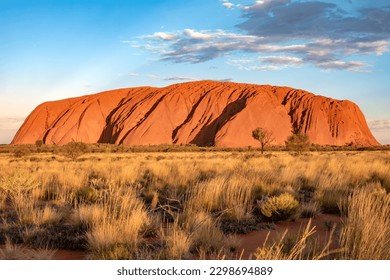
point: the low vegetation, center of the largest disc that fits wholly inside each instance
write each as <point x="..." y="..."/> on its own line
<point x="191" y="204"/>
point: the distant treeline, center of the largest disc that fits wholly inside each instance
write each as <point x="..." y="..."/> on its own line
<point x="21" y="150"/>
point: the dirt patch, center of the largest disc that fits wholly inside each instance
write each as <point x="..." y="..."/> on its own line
<point x="69" y="255"/>
<point x="323" y="224"/>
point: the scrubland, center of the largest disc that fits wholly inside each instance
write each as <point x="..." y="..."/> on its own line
<point x="192" y="205"/>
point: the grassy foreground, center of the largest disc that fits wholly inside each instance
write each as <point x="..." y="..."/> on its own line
<point x="186" y="205"/>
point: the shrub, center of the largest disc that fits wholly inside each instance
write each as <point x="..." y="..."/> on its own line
<point x="279" y="207"/>
<point x="38" y="144"/>
<point x="21" y="152"/>
<point x="74" y="150"/>
<point x="297" y="142"/>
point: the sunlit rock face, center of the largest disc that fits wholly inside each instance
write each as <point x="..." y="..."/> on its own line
<point x="202" y="113"/>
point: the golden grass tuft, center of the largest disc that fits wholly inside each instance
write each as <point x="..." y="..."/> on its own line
<point x="279" y="207"/>
<point x="17" y="252"/>
<point x="366" y="232"/>
<point x="178" y="242"/>
<point x="115" y="225"/>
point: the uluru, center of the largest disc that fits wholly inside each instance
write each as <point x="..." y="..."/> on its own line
<point x="204" y="113"/>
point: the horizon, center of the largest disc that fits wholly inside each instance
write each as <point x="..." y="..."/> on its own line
<point x="61" y="49"/>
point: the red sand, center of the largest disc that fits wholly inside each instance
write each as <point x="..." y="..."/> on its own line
<point x="251" y="241"/>
<point x="69" y="255"/>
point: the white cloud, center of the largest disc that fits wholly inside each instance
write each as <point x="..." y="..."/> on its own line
<point x="228" y="5"/>
<point x="381" y="130"/>
<point x="164" y="36"/>
<point x="178" y="78"/>
<point x="196" y="35"/>
<point x="379" y="124"/>
<point x="267" y="63"/>
<point x="281" y="60"/>
<point x="379" y="47"/>
<point x="173" y="78"/>
<point x="356" y="66"/>
<point x="198" y="46"/>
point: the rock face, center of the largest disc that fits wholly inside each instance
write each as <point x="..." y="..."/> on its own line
<point x="203" y="113"/>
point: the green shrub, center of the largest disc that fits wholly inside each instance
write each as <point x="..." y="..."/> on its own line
<point x="279" y="207"/>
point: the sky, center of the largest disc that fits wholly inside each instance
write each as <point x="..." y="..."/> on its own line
<point x="55" y="49"/>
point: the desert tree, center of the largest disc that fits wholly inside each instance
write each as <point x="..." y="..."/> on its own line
<point x="264" y="136"/>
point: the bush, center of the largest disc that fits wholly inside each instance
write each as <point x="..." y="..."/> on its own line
<point x="74" y="149"/>
<point x="38" y="143"/>
<point x="297" y="142"/>
<point x="21" y="152"/>
<point x="279" y="207"/>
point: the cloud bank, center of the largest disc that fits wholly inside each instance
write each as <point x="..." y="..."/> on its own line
<point x="277" y="34"/>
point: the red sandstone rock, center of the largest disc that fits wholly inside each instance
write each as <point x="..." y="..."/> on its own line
<point x="202" y="113"/>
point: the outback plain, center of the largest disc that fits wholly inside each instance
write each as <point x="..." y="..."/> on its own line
<point x="102" y="201"/>
<point x="195" y="130"/>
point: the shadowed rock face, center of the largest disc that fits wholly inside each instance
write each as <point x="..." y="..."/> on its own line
<point x="202" y="113"/>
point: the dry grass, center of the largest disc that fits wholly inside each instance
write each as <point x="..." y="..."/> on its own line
<point x="366" y="233"/>
<point x="302" y="247"/>
<point x="115" y="223"/>
<point x="178" y="242"/>
<point x="17" y="252"/>
<point x="118" y="204"/>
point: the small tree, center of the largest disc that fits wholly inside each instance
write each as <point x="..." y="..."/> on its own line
<point x="297" y="142"/>
<point x="264" y="136"/>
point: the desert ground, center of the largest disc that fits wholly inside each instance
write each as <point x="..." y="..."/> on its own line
<point x="106" y="202"/>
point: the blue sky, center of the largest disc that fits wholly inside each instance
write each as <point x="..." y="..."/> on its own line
<point x="54" y="49"/>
